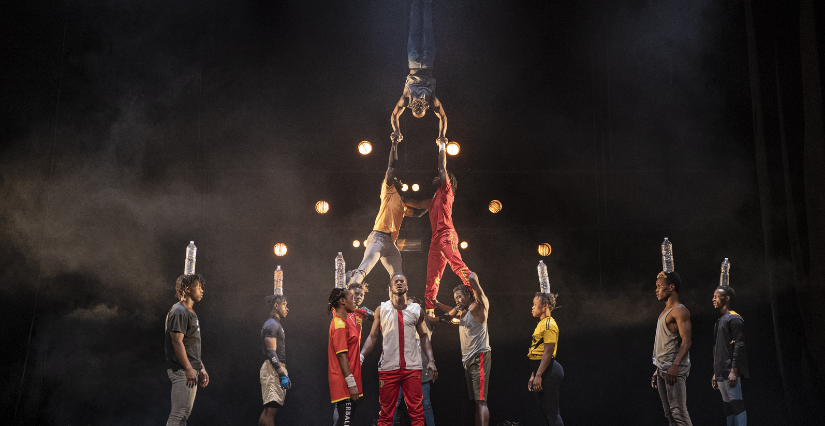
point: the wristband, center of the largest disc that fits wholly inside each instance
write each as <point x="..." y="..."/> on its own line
<point x="350" y="381"/>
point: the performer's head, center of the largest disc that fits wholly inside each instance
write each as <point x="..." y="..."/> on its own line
<point x="359" y="292"/>
<point x="463" y="296"/>
<point x="667" y="285"/>
<point x="419" y="107"/>
<point x="277" y="305"/>
<point x="453" y="181"/>
<point x="723" y="297"/>
<point x="341" y="298"/>
<point x="189" y="286"/>
<point x="398" y="284"/>
<point x="544" y="303"/>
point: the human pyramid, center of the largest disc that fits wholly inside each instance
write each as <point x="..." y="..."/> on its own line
<point x="407" y="366"/>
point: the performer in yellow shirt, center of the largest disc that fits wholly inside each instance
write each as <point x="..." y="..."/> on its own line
<point x="547" y="372"/>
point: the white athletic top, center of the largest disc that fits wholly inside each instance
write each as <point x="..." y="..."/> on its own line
<point x="400" y="347"/>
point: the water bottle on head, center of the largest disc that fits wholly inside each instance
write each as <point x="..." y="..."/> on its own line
<point x="667" y="256"/>
<point x="279" y="281"/>
<point x="191" y="253"/>
<point x="544" y="279"/>
<point x="724" y="277"/>
<point x="340" y="271"/>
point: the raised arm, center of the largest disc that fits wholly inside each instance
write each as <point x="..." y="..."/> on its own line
<point x="396" y="112"/>
<point x="419" y="204"/>
<point x="442" y="160"/>
<point x="375" y="332"/>
<point x="438" y="109"/>
<point x="479" y="308"/>
<point x="388" y="177"/>
<point x="426" y="346"/>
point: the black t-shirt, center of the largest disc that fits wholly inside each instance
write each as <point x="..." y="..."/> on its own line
<point x="272" y="328"/>
<point x="181" y="320"/>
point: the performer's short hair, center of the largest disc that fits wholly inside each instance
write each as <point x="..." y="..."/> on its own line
<point x="672" y="278"/>
<point x="186" y="282"/>
<point x="467" y="291"/>
<point x="363" y="286"/>
<point x="729" y="291"/>
<point x="547" y="299"/>
<point x="274" y="299"/>
<point x="334" y="296"/>
<point x="392" y="278"/>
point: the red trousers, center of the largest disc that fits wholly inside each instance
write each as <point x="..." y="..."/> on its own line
<point x="389" y="383"/>
<point x="443" y="250"/>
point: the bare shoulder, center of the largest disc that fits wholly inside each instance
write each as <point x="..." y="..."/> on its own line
<point x="680" y="312"/>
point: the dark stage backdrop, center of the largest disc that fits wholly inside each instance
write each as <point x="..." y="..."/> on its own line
<point x="132" y="127"/>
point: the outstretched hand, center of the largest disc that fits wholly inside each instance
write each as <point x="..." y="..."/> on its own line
<point x="442" y="140"/>
<point x="396" y="136"/>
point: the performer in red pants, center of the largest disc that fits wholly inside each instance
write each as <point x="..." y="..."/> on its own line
<point x="444" y="244"/>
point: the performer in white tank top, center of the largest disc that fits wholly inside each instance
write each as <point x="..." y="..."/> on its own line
<point x="400" y="366"/>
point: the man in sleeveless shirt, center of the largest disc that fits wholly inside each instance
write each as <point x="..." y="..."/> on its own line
<point x="475" y="343"/>
<point x="670" y="350"/>
<point x="400" y="365"/>
<point x="419" y="88"/>
<point x="444" y="243"/>
<point x="381" y="242"/>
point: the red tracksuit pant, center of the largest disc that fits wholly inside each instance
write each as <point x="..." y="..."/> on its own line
<point x="389" y="383"/>
<point x="443" y="250"/>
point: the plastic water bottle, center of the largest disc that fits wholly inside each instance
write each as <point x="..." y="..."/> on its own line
<point x="340" y="271"/>
<point x="724" y="277"/>
<point x="279" y="281"/>
<point x="191" y="253"/>
<point x="667" y="256"/>
<point x="544" y="280"/>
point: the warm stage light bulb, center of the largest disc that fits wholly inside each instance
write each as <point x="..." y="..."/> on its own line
<point x="356" y="243"/>
<point x="404" y="187"/>
<point x="364" y="147"/>
<point x="415" y="187"/>
<point x="453" y="148"/>
<point x="544" y="249"/>
<point x="455" y="321"/>
<point x="280" y="249"/>
<point x="322" y="207"/>
<point x="464" y="244"/>
<point x="495" y="206"/>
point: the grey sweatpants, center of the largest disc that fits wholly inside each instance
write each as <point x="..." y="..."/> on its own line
<point x="674" y="400"/>
<point x="183" y="398"/>
<point x="379" y="247"/>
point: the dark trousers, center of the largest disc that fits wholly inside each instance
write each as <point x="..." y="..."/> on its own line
<point x="548" y="398"/>
<point x="346" y="411"/>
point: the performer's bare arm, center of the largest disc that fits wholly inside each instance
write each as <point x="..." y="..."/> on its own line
<point x="396" y="112"/>
<point x="388" y="177"/>
<point x="442" y="161"/>
<point x="546" y="359"/>
<point x="419" y="204"/>
<point x="375" y="333"/>
<point x="426" y="346"/>
<point x="438" y="109"/>
<point x="681" y="316"/>
<point x="479" y="309"/>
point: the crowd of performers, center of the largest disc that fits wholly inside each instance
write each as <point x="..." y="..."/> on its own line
<point x="407" y="366"/>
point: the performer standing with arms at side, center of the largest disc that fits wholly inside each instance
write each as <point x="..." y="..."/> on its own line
<point x="400" y="365"/>
<point x="730" y="360"/>
<point x="547" y="372"/>
<point x="344" y="365"/>
<point x="274" y="376"/>
<point x="475" y="343"/>
<point x="670" y="350"/>
<point x="444" y="243"/>
<point x="419" y="88"/>
<point x="183" y="348"/>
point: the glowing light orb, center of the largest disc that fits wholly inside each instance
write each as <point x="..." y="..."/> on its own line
<point x="463" y="244"/>
<point x="280" y="249"/>
<point x="453" y="148"/>
<point x="544" y="249"/>
<point x="364" y="147"/>
<point x="455" y="321"/>
<point x="356" y="243"/>
<point x="404" y="187"/>
<point x="415" y="187"/>
<point x="322" y="207"/>
<point x="495" y="206"/>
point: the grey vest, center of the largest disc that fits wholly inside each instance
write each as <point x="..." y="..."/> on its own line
<point x="474" y="337"/>
<point x="666" y="346"/>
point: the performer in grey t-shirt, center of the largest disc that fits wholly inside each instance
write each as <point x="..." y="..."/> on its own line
<point x="475" y="342"/>
<point x="670" y="350"/>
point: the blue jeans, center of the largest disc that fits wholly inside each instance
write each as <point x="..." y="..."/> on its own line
<point x="735" y="413"/>
<point x="429" y="420"/>
<point x="421" y="42"/>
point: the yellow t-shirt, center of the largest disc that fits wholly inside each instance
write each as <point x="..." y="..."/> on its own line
<point x="546" y="332"/>
<point x="391" y="212"/>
